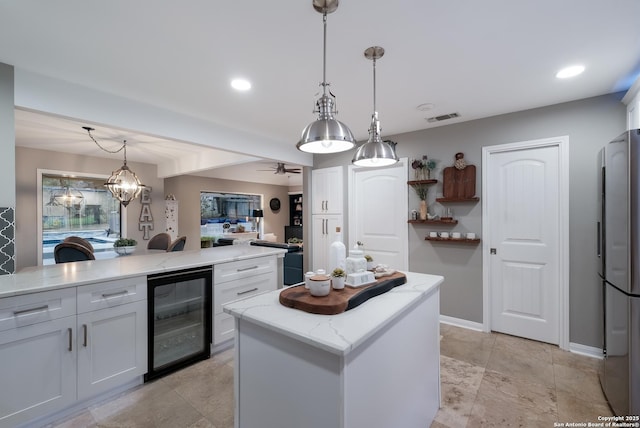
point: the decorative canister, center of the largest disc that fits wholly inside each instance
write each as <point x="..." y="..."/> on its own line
<point x="356" y="261"/>
<point x="307" y="278"/>
<point x="319" y="285"/>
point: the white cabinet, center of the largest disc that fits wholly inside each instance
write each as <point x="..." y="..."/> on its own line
<point x="112" y="334"/>
<point x="37" y="354"/>
<point x="238" y="280"/>
<point x="326" y="190"/>
<point x="62" y="346"/>
<point x="324" y="232"/>
<point x="327" y="209"/>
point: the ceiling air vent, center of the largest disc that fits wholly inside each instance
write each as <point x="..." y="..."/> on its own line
<point x="443" y="117"/>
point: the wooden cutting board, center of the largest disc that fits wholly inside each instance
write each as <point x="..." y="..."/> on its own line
<point x="459" y="183"/>
<point x="338" y="301"/>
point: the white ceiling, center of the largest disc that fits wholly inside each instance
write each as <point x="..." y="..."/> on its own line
<point x="475" y="58"/>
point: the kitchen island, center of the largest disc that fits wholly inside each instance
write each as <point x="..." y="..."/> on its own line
<point x="375" y="366"/>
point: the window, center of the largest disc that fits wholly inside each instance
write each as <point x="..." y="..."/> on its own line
<point x="76" y="204"/>
<point x="227" y="212"/>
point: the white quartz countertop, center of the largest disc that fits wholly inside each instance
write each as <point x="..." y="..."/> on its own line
<point x="341" y="333"/>
<point x="44" y="278"/>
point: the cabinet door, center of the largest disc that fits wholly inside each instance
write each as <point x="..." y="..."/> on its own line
<point x="112" y="347"/>
<point x="38" y="370"/>
<point x="326" y="190"/>
<point x="323" y="232"/>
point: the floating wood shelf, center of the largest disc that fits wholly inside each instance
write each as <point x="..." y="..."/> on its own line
<point x="457" y="241"/>
<point x="414" y="182"/>
<point x="474" y="199"/>
<point x="451" y="222"/>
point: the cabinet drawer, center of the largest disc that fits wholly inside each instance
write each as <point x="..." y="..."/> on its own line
<point x="230" y="291"/>
<point x="112" y="293"/>
<point x="18" y="311"/>
<point x="232" y="271"/>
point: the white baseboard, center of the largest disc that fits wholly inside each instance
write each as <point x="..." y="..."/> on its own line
<point x="459" y="322"/>
<point x="588" y="351"/>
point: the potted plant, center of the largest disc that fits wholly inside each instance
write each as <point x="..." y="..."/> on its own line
<point x="124" y="246"/>
<point x="206" y="241"/>
<point x="337" y="278"/>
<point x="369" y="260"/>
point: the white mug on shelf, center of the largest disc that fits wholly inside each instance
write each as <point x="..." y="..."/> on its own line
<point x="456" y="235"/>
<point x="444" y="235"/>
<point x="471" y="235"/>
<point x="433" y="234"/>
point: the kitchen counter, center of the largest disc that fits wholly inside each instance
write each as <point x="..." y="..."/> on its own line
<point x="45" y="278"/>
<point x="376" y="365"/>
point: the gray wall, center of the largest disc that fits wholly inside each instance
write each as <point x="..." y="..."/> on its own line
<point x="590" y="124"/>
<point x="28" y="161"/>
<point x="187" y="190"/>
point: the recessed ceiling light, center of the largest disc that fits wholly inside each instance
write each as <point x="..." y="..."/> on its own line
<point x="240" y="84"/>
<point x="572" y="71"/>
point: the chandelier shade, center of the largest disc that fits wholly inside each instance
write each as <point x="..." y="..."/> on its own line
<point x="375" y="152"/>
<point x="124" y="184"/>
<point x="326" y="134"/>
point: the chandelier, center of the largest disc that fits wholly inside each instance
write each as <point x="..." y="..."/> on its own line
<point x="123" y="184"/>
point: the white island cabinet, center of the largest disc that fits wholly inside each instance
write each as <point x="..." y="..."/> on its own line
<point x="374" y="366"/>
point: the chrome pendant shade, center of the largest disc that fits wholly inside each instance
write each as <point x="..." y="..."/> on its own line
<point x="375" y="152"/>
<point x="123" y="184"/>
<point x="326" y="135"/>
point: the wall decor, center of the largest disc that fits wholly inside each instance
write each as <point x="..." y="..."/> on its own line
<point x="459" y="181"/>
<point x="145" y="221"/>
<point x="171" y="216"/>
<point x="274" y="204"/>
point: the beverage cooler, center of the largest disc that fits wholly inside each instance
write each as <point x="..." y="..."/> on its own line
<point x="179" y="320"/>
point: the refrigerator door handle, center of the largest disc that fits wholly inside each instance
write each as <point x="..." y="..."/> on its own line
<point x="599" y="240"/>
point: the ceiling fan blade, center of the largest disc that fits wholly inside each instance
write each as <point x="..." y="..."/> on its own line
<point x="292" y="171"/>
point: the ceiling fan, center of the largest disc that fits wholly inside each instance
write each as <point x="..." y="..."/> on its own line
<point x="281" y="169"/>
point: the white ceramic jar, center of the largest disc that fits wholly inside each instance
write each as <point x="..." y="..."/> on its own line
<point x="319" y="285"/>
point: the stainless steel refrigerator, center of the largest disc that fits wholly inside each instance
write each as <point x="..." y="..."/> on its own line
<point x="619" y="253"/>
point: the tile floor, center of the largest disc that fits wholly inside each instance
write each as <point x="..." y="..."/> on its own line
<point x="488" y="380"/>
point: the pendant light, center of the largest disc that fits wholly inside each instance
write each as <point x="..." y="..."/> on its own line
<point x="326" y="135"/>
<point x="375" y="152"/>
<point x="123" y="184"/>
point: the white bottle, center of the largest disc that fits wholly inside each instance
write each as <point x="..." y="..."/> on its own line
<point x="337" y="253"/>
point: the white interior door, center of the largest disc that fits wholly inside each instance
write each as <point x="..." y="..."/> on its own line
<point x="378" y="205"/>
<point x="525" y="232"/>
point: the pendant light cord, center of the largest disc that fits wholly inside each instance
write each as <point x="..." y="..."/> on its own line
<point x="324" y="54"/>
<point x="124" y="145"/>
<point x="374" y="85"/>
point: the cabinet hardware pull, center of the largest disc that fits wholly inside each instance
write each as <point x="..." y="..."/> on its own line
<point x="492" y="251"/>
<point x="28" y="311"/>
<point x="326" y="205"/>
<point x="239" y="293"/>
<point x="247" y="268"/>
<point x="84" y="335"/>
<point x="117" y="293"/>
<point x="70" y="332"/>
